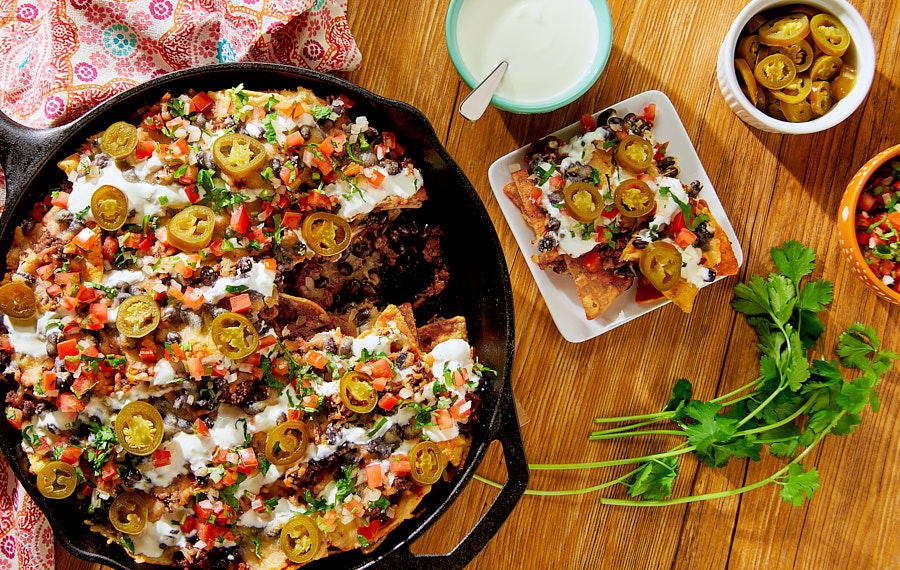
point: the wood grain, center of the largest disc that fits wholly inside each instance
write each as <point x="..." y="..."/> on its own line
<point x="774" y="188"/>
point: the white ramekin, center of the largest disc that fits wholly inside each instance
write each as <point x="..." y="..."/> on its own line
<point x="861" y="54"/>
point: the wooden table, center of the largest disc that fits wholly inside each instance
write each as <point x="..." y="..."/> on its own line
<point x="774" y="188"/>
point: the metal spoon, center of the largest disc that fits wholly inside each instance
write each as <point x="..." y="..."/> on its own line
<point x="476" y="102"/>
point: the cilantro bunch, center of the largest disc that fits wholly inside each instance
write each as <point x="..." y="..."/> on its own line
<point x="795" y="401"/>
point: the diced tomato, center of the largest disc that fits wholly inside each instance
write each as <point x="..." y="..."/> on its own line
<point x="207" y="532"/>
<point x="660" y="150"/>
<point x="294" y="414"/>
<point x="862" y="236"/>
<point x="189" y="176"/>
<point x="316" y="359"/>
<point x="14" y="416"/>
<point x="460" y="377"/>
<point x="189" y="524"/>
<point x="100" y="312"/>
<point x="461" y="409"/>
<point x="268" y="340"/>
<point x="610" y="214"/>
<point x="381" y="151"/>
<point x="184" y="269"/>
<point x="253" y="359"/>
<point x="292" y="140"/>
<point x="145" y="149"/>
<point x="381" y="368"/>
<point x="61" y="200"/>
<point x="355" y="508"/>
<point x="649" y="112"/>
<point x="288" y="174"/>
<point x="248" y="457"/>
<point x="86" y="239"/>
<point x="685" y="237"/>
<point x="556" y="182"/>
<point x="241" y="303"/>
<point x="108" y="471"/>
<point x="193" y="298"/>
<point x="311" y="401"/>
<point x="195" y="367"/>
<point x="174" y="292"/>
<point x="5" y="345"/>
<point x="444" y="421"/>
<point x="591" y="261"/>
<point x="86" y="294"/>
<point x="71" y="454"/>
<point x="218" y="370"/>
<point x="84" y="383"/>
<point x="318" y="200"/>
<point x="388" y="401"/>
<point x="192" y="195"/>
<point x="229" y="479"/>
<point x="324" y="166"/>
<point x="348" y="103"/>
<point x="379" y="383"/>
<point x="676" y="225"/>
<point x="162" y="457"/>
<point x="389" y="139"/>
<point x="400" y="464"/>
<point x="201" y="101"/>
<point x="201" y="427"/>
<point x="352" y="169"/>
<point x="147" y="355"/>
<point x="240" y="219"/>
<point x="91" y="352"/>
<point x="258" y="505"/>
<point x="221" y="455"/>
<point x="373" y="475"/>
<point x="110" y="247"/>
<point x="216" y="248"/>
<point x="67" y="348"/>
<point x="270" y="264"/>
<point x="588" y="122"/>
<point x="369" y="531"/>
<point x="181" y="147"/>
<point x="291" y="220"/>
<point x="45" y="272"/>
<point x="894" y="219"/>
<point x="327" y="148"/>
<point x="376" y="178"/>
<point x="48" y="381"/>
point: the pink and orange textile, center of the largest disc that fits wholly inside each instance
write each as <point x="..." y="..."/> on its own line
<point x="60" y="58"/>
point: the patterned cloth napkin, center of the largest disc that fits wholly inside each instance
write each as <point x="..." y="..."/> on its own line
<point x="60" y="58"/>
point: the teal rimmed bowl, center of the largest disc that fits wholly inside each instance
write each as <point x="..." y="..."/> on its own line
<point x="566" y="93"/>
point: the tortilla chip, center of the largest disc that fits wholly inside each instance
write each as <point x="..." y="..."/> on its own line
<point x="645" y="292"/>
<point x="534" y="215"/>
<point x="513" y="194"/>
<point x="436" y="332"/>
<point x="721" y="253"/>
<point x="597" y="290"/>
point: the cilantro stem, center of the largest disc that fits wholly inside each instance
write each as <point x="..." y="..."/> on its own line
<point x="746" y="386"/>
<point x="787" y="420"/>
<point x="611" y="463"/>
<point x="656" y="417"/>
<point x="626" y="428"/>
<point x="722" y="494"/>
<point x="595" y="437"/>
<point x="583" y="491"/>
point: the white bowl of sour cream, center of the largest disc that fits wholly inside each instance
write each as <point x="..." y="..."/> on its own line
<point x="556" y="49"/>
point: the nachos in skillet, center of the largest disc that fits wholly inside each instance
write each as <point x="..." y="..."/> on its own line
<point x="166" y="370"/>
<point x="607" y="208"/>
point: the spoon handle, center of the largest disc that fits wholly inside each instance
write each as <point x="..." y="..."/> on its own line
<point x="476" y="102"/>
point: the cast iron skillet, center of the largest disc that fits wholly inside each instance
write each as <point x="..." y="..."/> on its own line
<point x="479" y="289"/>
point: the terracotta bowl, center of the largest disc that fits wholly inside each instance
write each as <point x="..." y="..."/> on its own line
<point x="847" y="225"/>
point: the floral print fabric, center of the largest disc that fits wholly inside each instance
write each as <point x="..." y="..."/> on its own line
<point x="60" y="58"/>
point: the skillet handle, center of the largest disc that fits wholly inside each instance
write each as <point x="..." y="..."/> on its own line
<point x="22" y="152"/>
<point x="510" y="437"/>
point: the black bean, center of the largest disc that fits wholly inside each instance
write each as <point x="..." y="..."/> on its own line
<point x="277" y="164"/>
<point x="200" y="120"/>
<point x="604" y="117"/>
<point x="552" y="224"/>
<point x="205" y="159"/>
<point x="320" y="283"/>
<point x="546" y="243"/>
<point x="361" y="249"/>
<point x="330" y="345"/>
<point x="244" y="265"/>
<point x="228" y="123"/>
<point x="710" y="275"/>
<point x="344" y="268"/>
<point x="392" y="167"/>
<point x="208" y="276"/>
<point x="556" y="198"/>
<point x="135" y="290"/>
<point x="173" y="337"/>
<point x="371" y="133"/>
<point x="367" y="158"/>
<point x="400" y="360"/>
<point x="696" y="187"/>
<point x="305" y="132"/>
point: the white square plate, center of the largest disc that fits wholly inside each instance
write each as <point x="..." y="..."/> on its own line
<point x="559" y="290"/>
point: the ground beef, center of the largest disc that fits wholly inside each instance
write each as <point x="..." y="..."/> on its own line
<point x="243" y="392"/>
<point x="214" y="559"/>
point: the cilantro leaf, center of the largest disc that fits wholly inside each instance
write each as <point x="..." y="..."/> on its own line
<point x="654" y="480"/>
<point x="681" y="395"/>
<point x="710" y="427"/>
<point x="815" y="295"/>
<point x="799" y="484"/>
<point x="794" y="260"/>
